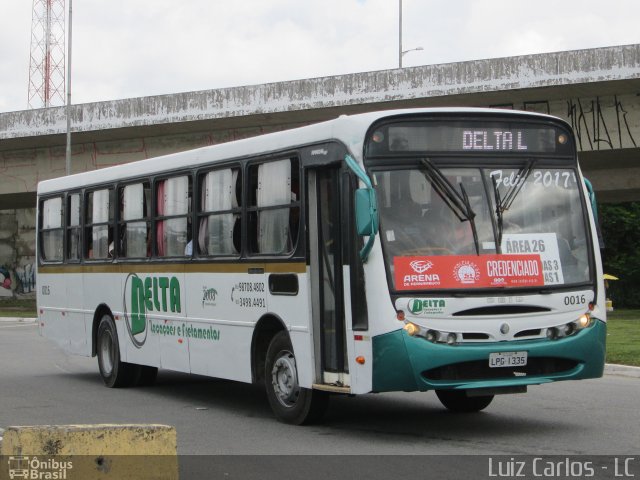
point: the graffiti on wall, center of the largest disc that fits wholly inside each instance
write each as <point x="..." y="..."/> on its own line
<point x="20" y="280"/>
<point x="602" y="123"/>
<point x="599" y="123"/>
<point x="26" y="278"/>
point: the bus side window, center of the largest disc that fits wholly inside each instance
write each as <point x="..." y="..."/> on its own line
<point x="275" y="213"/>
<point x="51" y="232"/>
<point x="219" y="223"/>
<point x="73" y="227"/>
<point x="99" y="225"/>
<point x="134" y="216"/>
<point x="173" y="205"/>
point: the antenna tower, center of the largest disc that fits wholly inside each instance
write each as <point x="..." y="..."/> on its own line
<point x="46" y="66"/>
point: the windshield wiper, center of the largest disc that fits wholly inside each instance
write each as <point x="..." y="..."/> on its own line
<point x="472" y="218"/>
<point x="503" y="204"/>
<point x="458" y="202"/>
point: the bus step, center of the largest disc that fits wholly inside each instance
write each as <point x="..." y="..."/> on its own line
<point x="331" y="388"/>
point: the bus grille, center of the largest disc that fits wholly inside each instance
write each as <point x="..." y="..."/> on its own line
<point x="480" y="370"/>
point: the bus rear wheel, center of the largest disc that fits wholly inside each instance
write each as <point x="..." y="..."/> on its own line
<point x="114" y="372"/>
<point x="290" y="402"/>
<point x="458" y="401"/>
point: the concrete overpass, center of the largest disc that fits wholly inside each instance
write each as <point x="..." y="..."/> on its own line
<point x="596" y="90"/>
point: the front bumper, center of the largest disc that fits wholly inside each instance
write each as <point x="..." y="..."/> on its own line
<point x="405" y="363"/>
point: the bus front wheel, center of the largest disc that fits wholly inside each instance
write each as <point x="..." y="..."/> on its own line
<point x="114" y="372"/>
<point x="290" y="402"/>
<point x="458" y="401"/>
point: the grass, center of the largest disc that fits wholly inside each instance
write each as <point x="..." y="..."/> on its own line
<point x="23" y="308"/>
<point x="623" y="330"/>
<point x="623" y="337"/>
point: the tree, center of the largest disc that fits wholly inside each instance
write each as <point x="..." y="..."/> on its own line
<point x="620" y="225"/>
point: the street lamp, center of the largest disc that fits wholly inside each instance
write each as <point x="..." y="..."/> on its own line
<point x="68" y="110"/>
<point x="400" y="33"/>
<point x="401" y="52"/>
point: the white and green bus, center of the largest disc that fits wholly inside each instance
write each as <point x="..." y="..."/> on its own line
<point x="452" y="250"/>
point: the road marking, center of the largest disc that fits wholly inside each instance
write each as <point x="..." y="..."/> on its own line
<point x="62" y="369"/>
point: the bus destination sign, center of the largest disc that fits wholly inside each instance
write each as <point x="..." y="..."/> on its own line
<point x="468" y="137"/>
<point x="491" y="139"/>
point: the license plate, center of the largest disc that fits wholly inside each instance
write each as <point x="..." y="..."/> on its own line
<point x="507" y="359"/>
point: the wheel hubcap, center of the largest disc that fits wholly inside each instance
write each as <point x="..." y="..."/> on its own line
<point x="285" y="379"/>
<point x="107" y="353"/>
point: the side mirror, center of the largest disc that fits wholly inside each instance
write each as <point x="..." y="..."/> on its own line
<point x="366" y="212"/>
<point x="366" y="208"/>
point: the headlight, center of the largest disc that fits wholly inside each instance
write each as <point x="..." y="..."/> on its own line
<point x="570" y="328"/>
<point x="412" y="329"/>
<point x="583" y="322"/>
<point x="431" y="335"/>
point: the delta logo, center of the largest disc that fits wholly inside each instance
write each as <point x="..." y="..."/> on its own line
<point x="424" y="306"/>
<point x="149" y="294"/>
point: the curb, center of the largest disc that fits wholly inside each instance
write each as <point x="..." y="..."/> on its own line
<point x="18" y="319"/>
<point x="621" y="370"/>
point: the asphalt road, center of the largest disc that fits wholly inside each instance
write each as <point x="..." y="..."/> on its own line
<point x="40" y="384"/>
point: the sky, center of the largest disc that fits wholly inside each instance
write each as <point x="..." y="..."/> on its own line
<point x="136" y="48"/>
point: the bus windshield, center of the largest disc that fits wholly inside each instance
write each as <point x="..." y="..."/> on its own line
<point x="452" y="227"/>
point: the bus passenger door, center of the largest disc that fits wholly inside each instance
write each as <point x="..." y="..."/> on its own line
<point x="327" y="287"/>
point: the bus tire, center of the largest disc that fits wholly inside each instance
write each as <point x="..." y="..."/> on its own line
<point x="114" y="372"/>
<point x="457" y="401"/>
<point x="291" y="403"/>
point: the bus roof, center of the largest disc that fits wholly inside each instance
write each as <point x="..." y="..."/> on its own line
<point x="350" y="129"/>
